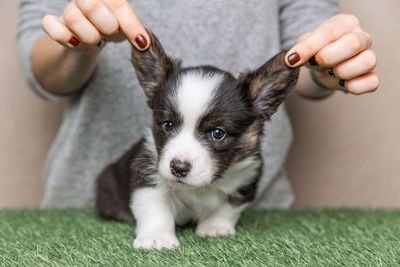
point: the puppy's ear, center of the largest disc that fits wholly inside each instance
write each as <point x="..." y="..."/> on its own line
<point x="268" y="86"/>
<point x="152" y="66"/>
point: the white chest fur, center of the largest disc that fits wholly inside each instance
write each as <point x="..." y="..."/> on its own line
<point x="188" y="203"/>
<point x="157" y="209"/>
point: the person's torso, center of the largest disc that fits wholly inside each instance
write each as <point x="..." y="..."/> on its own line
<point x="111" y="113"/>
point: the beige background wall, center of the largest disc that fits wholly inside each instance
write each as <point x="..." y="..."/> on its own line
<point x="27" y="123"/>
<point x="346" y="150"/>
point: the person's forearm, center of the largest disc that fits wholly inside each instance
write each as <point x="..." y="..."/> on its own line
<point x="308" y="88"/>
<point x="61" y="70"/>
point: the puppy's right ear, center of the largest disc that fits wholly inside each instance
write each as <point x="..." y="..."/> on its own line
<point x="152" y="66"/>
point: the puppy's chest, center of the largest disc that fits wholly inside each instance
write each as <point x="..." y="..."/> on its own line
<point x="197" y="204"/>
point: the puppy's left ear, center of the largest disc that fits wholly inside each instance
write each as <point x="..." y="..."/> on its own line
<point x="268" y="86"/>
<point x="152" y="66"/>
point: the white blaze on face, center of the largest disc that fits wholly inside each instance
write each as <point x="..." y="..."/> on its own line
<point x="193" y="98"/>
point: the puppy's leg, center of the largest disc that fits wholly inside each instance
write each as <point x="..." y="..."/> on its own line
<point x="112" y="196"/>
<point x="221" y="222"/>
<point x="155" y="224"/>
<point x="114" y="187"/>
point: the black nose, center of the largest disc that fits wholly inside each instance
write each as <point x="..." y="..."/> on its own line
<point x="180" y="168"/>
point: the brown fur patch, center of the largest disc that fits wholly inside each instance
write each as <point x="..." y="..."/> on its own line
<point x="248" y="142"/>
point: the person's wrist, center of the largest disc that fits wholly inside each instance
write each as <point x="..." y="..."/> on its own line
<point x="310" y="86"/>
<point x="317" y="80"/>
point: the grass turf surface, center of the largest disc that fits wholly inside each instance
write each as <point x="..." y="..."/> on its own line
<point x="293" y="237"/>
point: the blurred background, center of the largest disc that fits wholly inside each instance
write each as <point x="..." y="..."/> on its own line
<point x="346" y="150"/>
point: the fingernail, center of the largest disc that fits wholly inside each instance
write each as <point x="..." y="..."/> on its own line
<point x="293" y="58"/>
<point x="141" y="41"/>
<point x="330" y="72"/>
<point x="313" y="61"/>
<point x="74" y="41"/>
<point x="341" y="83"/>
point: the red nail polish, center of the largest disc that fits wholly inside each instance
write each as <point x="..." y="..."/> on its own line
<point x="293" y="58"/>
<point x="313" y="61"/>
<point x="141" y="41"/>
<point x="74" y="41"/>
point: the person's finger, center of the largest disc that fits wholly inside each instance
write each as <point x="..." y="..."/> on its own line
<point x="129" y="23"/>
<point x="303" y="37"/>
<point x="100" y="16"/>
<point x="328" y="32"/>
<point x="366" y="83"/>
<point x="80" y="25"/>
<point x="57" y="31"/>
<point x="346" y="47"/>
<point x="363" y="63"/>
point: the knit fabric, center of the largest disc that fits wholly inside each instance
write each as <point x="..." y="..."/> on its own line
<point x="110" y="114"/>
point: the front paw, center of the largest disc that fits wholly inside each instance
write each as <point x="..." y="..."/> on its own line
<point x="214" y="229"/>
<point x="156" y="241"/>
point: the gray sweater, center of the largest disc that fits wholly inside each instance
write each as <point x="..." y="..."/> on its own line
<point x="110" y="114"/>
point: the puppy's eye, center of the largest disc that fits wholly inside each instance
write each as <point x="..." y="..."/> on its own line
<point x="217" y="134"/>
<point x="167" y="125"/>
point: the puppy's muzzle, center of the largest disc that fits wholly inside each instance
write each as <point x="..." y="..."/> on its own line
<point x="180" y="168"/>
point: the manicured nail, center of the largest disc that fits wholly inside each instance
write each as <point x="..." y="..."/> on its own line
<point x="293" y="58"/>
<point x="74" y="41"/>
<point x="141" y="41"/>
<point x="330" y="72"/>
<point x="341" y="83"/>
<point x="313" y="61"/>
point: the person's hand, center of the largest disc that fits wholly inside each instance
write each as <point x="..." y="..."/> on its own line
<point x="86" y="24"/>
<point x="339" y="55"/>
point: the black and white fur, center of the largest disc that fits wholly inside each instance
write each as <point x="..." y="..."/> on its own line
<point x="182" y="171"/>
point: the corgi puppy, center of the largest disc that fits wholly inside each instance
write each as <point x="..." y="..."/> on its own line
<point x="200" y="160"/>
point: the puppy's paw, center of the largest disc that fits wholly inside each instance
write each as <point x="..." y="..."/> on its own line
<point x="156" y="241"/>
<point x="214" y="229"/>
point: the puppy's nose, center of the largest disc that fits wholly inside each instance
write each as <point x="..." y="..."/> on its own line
<point x="180" y="168"/>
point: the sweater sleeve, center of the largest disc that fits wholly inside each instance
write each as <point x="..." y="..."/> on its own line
<point x="30" y="30"/>
<point x="300" y="16"/>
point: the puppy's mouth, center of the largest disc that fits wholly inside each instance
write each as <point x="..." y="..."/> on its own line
<point x="180" y="181"/>
<point x="192" y="179"/>
<point x="184" y="183"/>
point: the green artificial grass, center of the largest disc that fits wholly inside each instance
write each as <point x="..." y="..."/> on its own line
<point x="274" y="238"/>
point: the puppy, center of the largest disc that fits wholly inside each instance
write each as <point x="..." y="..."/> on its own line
<point x="200" y="160"/>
